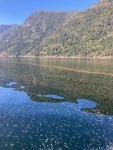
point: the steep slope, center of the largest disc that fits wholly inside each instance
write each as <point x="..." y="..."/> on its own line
<point x="6" y="30"/>
<point x="90" y="33"/>
<point x="36" y="27"/>
<point x="81" y="33"/>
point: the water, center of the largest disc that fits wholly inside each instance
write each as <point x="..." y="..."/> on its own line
<point x="57" y="104"/>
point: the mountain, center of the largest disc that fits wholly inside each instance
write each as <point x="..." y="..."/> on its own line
<point x="89" y="33"/>
<point x="27" y="37"/>
<point x="80" y="33"/>
<point x="6" y="30"/>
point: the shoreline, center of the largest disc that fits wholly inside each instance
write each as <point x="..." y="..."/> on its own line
<point x="65" y="57"/>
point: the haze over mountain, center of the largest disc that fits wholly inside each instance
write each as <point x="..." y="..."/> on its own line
<point x="79" y="33"/>
<point x="6" y="30"/>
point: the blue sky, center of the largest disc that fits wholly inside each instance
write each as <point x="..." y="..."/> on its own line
<point x="16" y="11"/>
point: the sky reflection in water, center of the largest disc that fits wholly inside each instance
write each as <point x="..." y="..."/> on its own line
<point x="11" y="83"/>
<point x="26" y="124"/>
<point x="54" y="96"/>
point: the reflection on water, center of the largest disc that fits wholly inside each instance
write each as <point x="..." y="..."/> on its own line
<point x="71" y="78"/>
<point x="22" y="87"/>
<point x="25" y="124"/>
<point x="48" y="105"/>
<point x="85" y="104"/>
<point x="54" y="96"/>
<point x="11" y="83"/>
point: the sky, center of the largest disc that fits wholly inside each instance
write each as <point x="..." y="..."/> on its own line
<point x="16" y="11"/>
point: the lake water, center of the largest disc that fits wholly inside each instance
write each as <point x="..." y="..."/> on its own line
<point x="56" y="104"/>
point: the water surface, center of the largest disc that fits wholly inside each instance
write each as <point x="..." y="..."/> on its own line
<point x="56" y="104"/>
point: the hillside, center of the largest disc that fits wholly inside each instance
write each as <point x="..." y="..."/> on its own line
<point x="90" y="33"/>
<point x="6" y="30"/>
<point x="26" y="38"/>
<point x="80" y="33"/>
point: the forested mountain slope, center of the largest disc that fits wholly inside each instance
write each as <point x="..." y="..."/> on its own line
<point x="6" y="30"/>
<point x="91" y="32"/>
<point x="27" y="37"/>
<point x="79" y="33"/>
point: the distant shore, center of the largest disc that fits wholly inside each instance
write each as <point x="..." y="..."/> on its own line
<point x="67" y="56"/>
<point x="1" y="56"/>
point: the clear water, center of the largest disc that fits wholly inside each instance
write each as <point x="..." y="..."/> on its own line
<point x="69" y="112"/>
